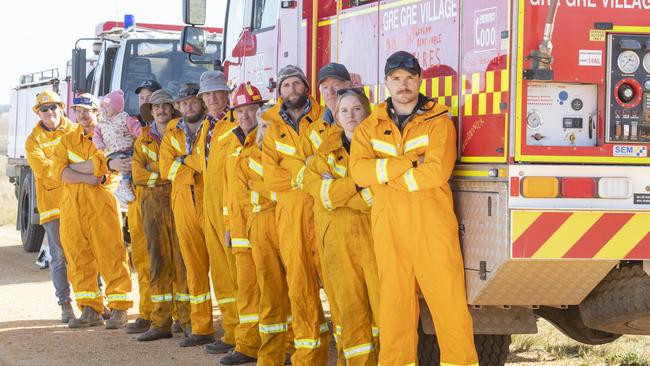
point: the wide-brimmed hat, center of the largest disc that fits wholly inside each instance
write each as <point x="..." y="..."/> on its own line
<point x="160" y="96"/>
<point x="47" y="97"/>
<point x="85" y="101"/>
<point x="213" y="81"/>
<point x="187" y="90"/>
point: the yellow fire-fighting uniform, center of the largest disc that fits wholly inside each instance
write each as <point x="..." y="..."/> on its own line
<point x="247" y="336"/>
<point x="40" y="148"/>
<point x="310" y="142"/>
<point x="295" y="220"/>
<point x="256" y="203"/>
<point x="139" y="254"/>
<point x="91" y="233"/>
<point x="415" y="231"/>
<point x="348" y="255"/>
<point x="168" y="282"/>
<point x="187" y="206"/>
<point x="222" y="262"/>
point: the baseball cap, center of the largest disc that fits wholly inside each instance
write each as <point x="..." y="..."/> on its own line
<point x="150" y="84"/>
<point x="402" y="60"/>
<point x="333" y="70"/>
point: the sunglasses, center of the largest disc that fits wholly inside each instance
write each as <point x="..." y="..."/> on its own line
<point x="82" y="100"/>
<point x="357" y="91"/>
<point x="399" y="63"/>
<point x="45" y="108"/>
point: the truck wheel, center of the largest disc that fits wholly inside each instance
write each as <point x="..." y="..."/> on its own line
<point x="492" y="349"/>
<point x="620" y="303"/>
<point x="569" y="322"/>
<point x="30" y="233"/>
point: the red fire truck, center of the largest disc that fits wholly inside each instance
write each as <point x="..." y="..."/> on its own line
<point x="551" y="100"/>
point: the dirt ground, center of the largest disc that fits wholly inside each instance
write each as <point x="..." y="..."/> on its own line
<point x="31" y="334"/>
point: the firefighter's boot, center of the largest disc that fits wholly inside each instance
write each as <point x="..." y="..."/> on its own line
<point x="176" y="327"/>
<point x="89" y="318"/>
<point x="196" y="340"/>
<point x="67" y="313"/>
<point x="117" y="320"/>
<point x="139" y="326"/>
<point x="153" y="334"/>
<point x="218" y="347"/>
<point x="236" y="358"/>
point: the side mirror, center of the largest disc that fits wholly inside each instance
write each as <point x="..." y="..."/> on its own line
<point x="193" y="40"/>
<point x="194" y="12"/>
<point x="79" y="70"/>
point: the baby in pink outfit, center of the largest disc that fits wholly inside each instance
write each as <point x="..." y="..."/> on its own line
<point x="115" y="134"/>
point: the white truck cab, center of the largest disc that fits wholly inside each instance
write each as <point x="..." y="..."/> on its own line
<point x="123" y="57"/>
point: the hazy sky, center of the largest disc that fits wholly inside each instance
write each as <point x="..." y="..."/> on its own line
<point x="37" y="35"/>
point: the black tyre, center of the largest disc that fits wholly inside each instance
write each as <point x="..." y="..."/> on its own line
<point x="30" y="232"/>
<point x="620" y="303"/>
<point x="492" y="349"/>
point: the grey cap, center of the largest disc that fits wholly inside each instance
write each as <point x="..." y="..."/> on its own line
<point x="290" y="71"/>
<point x="160" y="96"/>
<point x="187" y="90"/>
<point x="333" y="70"/>
<point x="213" y="81"/>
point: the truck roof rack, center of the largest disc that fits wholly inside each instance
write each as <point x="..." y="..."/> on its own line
<point x="49" y="76"/>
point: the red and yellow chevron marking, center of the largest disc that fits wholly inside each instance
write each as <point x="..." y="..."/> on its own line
<point x="483" y="93"/>
<point x="584" y="234"/>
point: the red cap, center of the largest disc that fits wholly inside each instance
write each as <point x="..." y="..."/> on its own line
<point x="246" y="94"/>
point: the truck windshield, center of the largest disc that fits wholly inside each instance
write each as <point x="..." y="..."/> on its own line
<point x="163" y="61"/>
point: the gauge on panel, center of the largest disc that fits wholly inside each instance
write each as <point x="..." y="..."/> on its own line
<point x="628" y="62"/>
<point x="534" y="120"/>
<point x="646" y="62"/>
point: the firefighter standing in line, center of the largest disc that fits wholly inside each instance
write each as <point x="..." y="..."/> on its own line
<point x="40" y="146"/>
<point x="210" y="159"/>
<point x="168" y="276"/>
<point x="348" y="253"/>
<point x="246" y="103"/>
<point x="405" y="151"/>
<point x="139" y="253"/>
<point x="178" y="142"/>
<point x="283" y="172"/>
<point x="144" y="92"/>
<point x="254" y="218"/>
<point x="91" y="233"/>
<point x="331" y="78"/>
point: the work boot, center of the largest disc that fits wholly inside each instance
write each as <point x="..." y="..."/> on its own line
<point x="107" y="313"/>
<point x="187" y="332"/>
<point x="138" y="326"/>
<point x="196" y="340"/>
<point x="153" y="334"/>
<point x="117" y="320"/>
<point x="67" y="313"/>
<point x="218" y="347"/>
<point x="176" y="327"/>
<point x="236" y="358"/>
<point x="89" y="318"/>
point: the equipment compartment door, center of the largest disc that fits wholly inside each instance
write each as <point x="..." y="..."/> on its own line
<point x="485" y="63"/>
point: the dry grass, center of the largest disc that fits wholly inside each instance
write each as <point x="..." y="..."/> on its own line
<point x="550" y="347"/>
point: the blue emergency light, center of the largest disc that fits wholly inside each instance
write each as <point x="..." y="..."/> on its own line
<point x="129" y="21"/>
